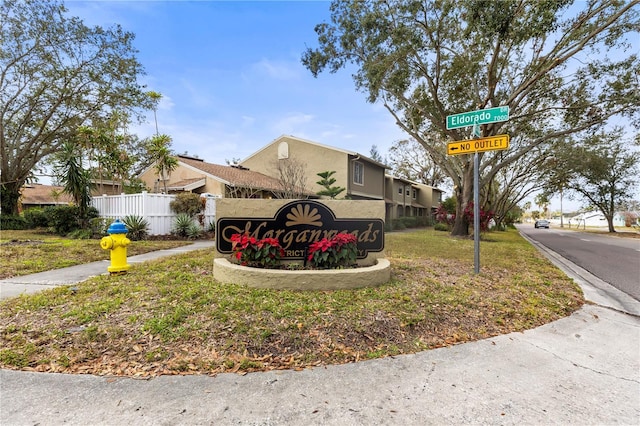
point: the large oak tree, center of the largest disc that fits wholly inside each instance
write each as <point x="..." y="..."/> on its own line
<point x="601" y="168"/>
<point x="561" y="67"/>
<point x="56" y="74"/>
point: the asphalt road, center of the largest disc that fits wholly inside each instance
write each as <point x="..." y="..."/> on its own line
<point x="614" y="260"/>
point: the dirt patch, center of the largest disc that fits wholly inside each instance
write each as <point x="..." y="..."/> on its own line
<point x="21" y="242"/>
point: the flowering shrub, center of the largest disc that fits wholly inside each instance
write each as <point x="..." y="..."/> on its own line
<point x="339" y="251"/>
<point x="444" y="216"/>
<point x="485" y="216"/>
<point x="249" y="251"/>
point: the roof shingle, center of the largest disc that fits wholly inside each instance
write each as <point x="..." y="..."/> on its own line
<point x="44" y="194"/>
<point x="235" y="176"/>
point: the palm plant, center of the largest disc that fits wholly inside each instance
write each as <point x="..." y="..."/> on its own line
<point x="160" y="152"/>
<point x="155" y="98"/>
<point x="73" y="176"/>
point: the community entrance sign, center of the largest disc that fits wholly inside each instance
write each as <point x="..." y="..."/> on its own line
<point x="299" y="223"/>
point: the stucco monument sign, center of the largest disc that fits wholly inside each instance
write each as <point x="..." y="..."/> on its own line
<point x="298" y="223"/>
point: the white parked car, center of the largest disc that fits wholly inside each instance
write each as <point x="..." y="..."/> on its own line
<point x="542" y="223"/>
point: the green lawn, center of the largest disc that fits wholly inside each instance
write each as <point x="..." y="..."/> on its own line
<point x="31" y="251"/>
<point x="171" y="317"/>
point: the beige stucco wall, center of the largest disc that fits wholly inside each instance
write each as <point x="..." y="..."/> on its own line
<point x="334" y="279"/>
<point x="212" y="186"/>
<point x="262" y="208"/>
<point x="373" y="181"/>
<point x="316" y="159"/>
<point x="425" y="196"/>
<point x="149" y="177"/>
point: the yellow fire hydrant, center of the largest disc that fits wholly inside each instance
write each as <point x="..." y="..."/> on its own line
<point x="117" y="242"/>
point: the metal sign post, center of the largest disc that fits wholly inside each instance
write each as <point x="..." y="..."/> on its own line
<point x="493" y="143"/>
<point x="476" y="213"/>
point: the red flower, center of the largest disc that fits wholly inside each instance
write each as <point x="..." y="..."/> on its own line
<point x="250" y="251"/>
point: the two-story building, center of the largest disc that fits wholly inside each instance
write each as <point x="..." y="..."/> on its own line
<point x="271" y="171"/>
<point x="406" y="198"/>
<point x="362" y="177"/>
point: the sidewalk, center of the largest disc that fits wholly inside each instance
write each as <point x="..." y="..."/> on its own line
<point x="580" y="370"/>
<point x="11" y="287"/>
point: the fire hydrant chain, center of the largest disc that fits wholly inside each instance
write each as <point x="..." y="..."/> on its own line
<point x="117" y="242"/>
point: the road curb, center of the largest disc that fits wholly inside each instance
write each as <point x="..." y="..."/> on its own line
<point x="595" y="290"/>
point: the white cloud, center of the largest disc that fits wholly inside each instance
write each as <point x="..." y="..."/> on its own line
<point x="248" y="121"/>
<point x="285" y="71"/>
<point x="292" y="124"/>
<point x="166" y="103"/>
<point x="197" y="94"/>
<point x="107" y="13"/>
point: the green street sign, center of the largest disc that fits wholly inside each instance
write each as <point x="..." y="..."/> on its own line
<point x="482" y="116"/>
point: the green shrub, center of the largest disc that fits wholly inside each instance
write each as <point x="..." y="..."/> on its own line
<point x="36" y="218"/>
<point x="9" y="221"/>
<point x="99" y="226"/>
<point x="423" y="221"/>
<point x="80" y="234"/>
<point x="449" y="205"/>
<point x="181" y="225"/>
<point x="441" y="227"/>
<point x="134" y="186"/>
<point x="212" y="226"/>
<point x="398" y="224"/>
<point x="499" y="228"/>
<point x="187" y="203"/>
<point x="65" y="219"/>
<point x="137" y="227"/>
<point x="408" y="221"/>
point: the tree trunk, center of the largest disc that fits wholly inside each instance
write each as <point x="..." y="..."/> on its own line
<point x="499" y="222"/>
<point x="610" y="223"/>
<point x="9" y="197"/>
<point x="460" y="226"/>
<point x="464" y="196"/>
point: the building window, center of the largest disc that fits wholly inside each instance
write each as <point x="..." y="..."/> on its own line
<point x="414" y="194"/>
<point x="400" y="190"/>
<point x="358" y="173"/>
<point x="408" y="193"/>
<point x="283" y="151"/>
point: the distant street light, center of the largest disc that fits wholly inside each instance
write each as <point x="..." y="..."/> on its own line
<point x="561" y="214"/>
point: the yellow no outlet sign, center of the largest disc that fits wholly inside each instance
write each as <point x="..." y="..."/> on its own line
<point x="493" y="143"/>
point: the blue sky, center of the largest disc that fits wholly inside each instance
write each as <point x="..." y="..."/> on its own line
<point x="232" y="79"/>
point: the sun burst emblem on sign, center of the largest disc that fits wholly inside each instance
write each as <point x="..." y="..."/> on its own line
<point x="303" y="216"/>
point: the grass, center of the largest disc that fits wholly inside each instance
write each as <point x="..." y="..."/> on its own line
<point x="171" y="317"/>
<point x="28" y="252"/>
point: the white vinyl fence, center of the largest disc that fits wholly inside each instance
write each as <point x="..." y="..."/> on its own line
<point x="152" y="207"/>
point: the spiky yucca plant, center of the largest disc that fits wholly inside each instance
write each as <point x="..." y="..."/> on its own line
<point x="137" y="227"/>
